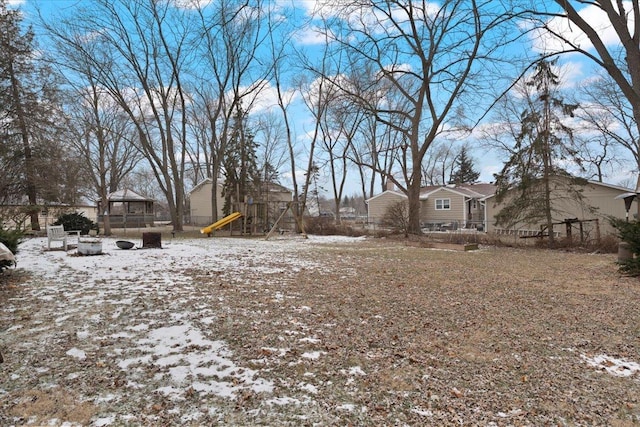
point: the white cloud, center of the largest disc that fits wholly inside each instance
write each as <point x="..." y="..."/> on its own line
<point x="311" y="35"/>
<point x="266" y="97"/>
<point x="544" y="41"/>
<point x="191" y="4"/>
<point x="324" y="8"/>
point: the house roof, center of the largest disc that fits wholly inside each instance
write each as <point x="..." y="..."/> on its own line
<point x="386" y="192"/>
<point x="202" y="183"/>
<point x="603" y="184"/>
<point x="126" y="195"/>
<point x="475" y="191"/>
<point x="272" y="186"/>
<point x="614" y="187"/>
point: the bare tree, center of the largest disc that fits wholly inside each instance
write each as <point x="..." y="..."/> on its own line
<point x="138" y="50"/>
<point x="439" y="163"/>
<point x="281" y="59"/>
<point x="229" y="39"/>
<point x="621" y="59"/>
<point x="273" y="148"/>
<point x="608" y="124"/>
<point x="429" y="56"/>
<point x="103" y="137"/>
<point x="374" y="147"/>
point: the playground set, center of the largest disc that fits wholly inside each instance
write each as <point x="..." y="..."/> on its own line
<point x="253" y="220"/>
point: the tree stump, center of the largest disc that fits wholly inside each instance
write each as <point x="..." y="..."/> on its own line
<point x="152" y="240"/>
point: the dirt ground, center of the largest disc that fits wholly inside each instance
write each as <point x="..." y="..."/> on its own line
<point x="377" y="332"/>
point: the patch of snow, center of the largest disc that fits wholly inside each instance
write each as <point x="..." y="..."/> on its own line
<point x="309" y="388"/>
<point x="77" y="353"/>
<point x="189" y="356"/>
<point x="422" y="412"/>
<point x="511" y="413"/>
<point x="349" y="407"/>
<point x="104" y="421"/>
<point x="281" y="401"/>
<point x="356" y="370"/>
<point x="612" y="365"/>
<point x="313" y="354"/>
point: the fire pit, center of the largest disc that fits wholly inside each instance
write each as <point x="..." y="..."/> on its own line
<point x="124" y="244"/>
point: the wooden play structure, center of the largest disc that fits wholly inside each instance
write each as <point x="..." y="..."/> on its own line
<point x="289" y="208"/>
<point x="220" y="223"/>
<point x="569" y="224"/>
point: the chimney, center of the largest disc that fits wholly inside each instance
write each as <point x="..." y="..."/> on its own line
<point x="390" y="185"/>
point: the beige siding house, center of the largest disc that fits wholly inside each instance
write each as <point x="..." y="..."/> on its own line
<point x="452" y="207"/>
<point x="441" y="207"/>
<point x="15" y="216"/>
<point x="377" y="205"/>
<point x="263" y="212"/>
<point x="200" y="203"/>
<point x="599" y="201"/>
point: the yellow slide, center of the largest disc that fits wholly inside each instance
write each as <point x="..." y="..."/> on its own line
<point x="221" y="223"/>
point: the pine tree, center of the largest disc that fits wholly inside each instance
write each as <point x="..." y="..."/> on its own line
<point x="242" y="177"/>
<point x="464" y="173"/>
<point x="527" y="181"/>
<point x="30" y="117"/>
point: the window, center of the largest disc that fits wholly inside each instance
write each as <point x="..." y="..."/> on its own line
<point x="443" y="204"/>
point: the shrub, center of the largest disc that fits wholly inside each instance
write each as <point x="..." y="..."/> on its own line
<point x="11" y="239"/>
<point x="629" y="232"/>
<point x="326" y="226"/>
<point x="397" y="217"/>
<point x="76" y="221"/>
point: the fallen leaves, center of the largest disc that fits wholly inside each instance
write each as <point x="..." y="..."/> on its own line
<point x="375" y="334"/>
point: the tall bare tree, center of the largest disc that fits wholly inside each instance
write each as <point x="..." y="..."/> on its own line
<point x="139" y="52"/>
<point x="620" y="59"/>
<point x="228" y="41"/>
<point x="103" y="137"/>
<point x="608" y="127"/>
<point x="430" y="55"/>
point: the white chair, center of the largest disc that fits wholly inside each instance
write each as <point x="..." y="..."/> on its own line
<point x="56" y="233"/>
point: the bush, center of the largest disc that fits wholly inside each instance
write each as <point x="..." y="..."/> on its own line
<point x="629" y="232"/>
<point x="11" y="239"/>
<point x="76" y="221"/>
<point x="397" y="217"/>
<point x="326" y="226"/>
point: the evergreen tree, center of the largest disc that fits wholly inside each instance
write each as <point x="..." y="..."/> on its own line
<point x="529" y="180"/>
<point x="464" y="173"/>
<point x="313" y="192"/>
<point x="31" y="119"/>
<point x="242" y="177"/>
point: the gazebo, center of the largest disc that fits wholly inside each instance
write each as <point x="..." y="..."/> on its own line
<point x="128" y="209"/>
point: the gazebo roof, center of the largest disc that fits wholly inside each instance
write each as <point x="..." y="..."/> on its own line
<point x="127" y="195"/>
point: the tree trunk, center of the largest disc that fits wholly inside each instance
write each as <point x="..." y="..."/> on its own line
<point x="214" y="198"/>
<point x="413" y="193"/>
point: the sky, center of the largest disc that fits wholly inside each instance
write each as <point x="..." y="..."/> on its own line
<point x="575" y="69"/>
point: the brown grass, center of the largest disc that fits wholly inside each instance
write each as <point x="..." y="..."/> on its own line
<point x="488" y="337"/>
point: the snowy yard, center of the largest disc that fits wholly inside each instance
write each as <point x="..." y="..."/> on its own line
<point x="324" y="331"/>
